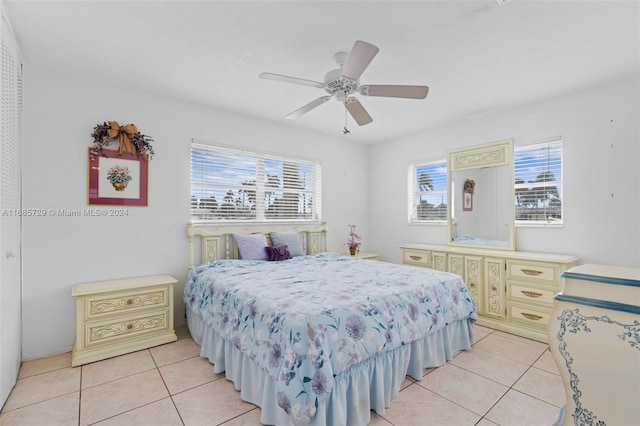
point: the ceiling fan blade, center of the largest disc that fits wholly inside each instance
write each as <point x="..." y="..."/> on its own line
<point x="308" y="107"/>
<point x="357" y="111"/>
<point x="287" y="79"/>
<point x="394" y="91"/>
<point x="359" y="59"/>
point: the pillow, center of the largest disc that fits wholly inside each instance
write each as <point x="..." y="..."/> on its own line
<point x="251" y="246"/>
<point x="278" y="253"/>
<point x="289" y="239"/>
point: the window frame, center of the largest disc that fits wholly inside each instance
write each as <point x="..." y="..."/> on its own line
<point x="258" y="213"/>
<point x="414" y="191"/>
<point x="557" y="183"/>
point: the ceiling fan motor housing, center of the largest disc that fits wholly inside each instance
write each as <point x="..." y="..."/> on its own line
<point x="338" y="85"/>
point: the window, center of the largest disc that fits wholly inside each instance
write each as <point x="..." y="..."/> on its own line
<point x="428" y="192"/>
<point x="538" y="183"/>
<point x="235" y="185"/>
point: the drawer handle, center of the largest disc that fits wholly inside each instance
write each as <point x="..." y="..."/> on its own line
<point x="531" y="316"/>
<point x="129" y="302"/>
<point x="531" y="271"/>
<point x="413" y="257"/>
<point x="530" y="293"/>
<point x="130" y="326"/>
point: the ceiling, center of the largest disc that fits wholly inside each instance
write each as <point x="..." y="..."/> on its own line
<point x="476" y="56"/>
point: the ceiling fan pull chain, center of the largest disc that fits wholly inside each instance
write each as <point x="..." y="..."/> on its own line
<point x="345" y="131"/>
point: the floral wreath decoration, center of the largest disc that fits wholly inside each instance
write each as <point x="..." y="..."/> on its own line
<point x="469" y="186"/>
<point x="130" y="140"/>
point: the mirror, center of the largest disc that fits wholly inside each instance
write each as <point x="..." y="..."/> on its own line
<point x="480" y="184"/>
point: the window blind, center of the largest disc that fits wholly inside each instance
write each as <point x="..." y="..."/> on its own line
<point x="428" y="192"/>
<point x="237" y="185"/>
<point x="538" y="183"/>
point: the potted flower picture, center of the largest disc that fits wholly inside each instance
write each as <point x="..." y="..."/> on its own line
<point x="119" y="177"/>
<point x="354" y="240"/>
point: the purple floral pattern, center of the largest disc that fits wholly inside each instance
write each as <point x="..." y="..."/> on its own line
<point x="316" y="316"/>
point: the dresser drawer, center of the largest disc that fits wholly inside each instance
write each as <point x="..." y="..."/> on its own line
<point x="531" y="294"/>
<point x="545" y="273"/>
<point x="420" y="258"/>
<point x="129" y="327"/>
<point x="531" y="315"/>
<point x="98" y="306"/>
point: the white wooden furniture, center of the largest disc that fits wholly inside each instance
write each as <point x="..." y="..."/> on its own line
<point x="363" y="255"/>
<point x="115" y="317"/>
<point x="216" y="241"/>
<point x="513" y="290"/>
<point x="488" y="220"/>
<point x="594" y="338"/>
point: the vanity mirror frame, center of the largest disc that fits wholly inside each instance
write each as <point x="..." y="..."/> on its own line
<point x="493" y="154"/>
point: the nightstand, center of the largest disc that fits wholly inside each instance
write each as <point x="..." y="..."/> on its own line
<point x="363" y="255"/>
<point x="116" y="317"/>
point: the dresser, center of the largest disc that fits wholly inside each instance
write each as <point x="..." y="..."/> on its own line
<point x="115" y="317"/>
<point x="594" y="337"/>
<point x="513" y="290"/>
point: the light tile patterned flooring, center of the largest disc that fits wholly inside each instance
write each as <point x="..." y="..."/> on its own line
<point x="503" y="380"/>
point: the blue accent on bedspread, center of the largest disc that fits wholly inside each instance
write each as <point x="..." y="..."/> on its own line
<point x="309" y="319"/>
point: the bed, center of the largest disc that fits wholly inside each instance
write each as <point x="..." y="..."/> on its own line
<point x="320" y="338"/>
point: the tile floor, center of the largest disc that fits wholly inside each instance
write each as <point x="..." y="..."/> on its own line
<point x="503" y="380"/>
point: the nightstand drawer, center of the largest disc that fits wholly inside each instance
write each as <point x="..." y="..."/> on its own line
<point x="533" y="316"/>
<point x="533" y="272"/>
<point x="420" y="258"/>
<point x="132" y="326"/>
<point x="100" y="305"/>
<point x="530" y="294"/>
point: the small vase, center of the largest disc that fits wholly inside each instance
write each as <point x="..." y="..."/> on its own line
<point x="119" y="186"/>
<point x="353" y="251"/>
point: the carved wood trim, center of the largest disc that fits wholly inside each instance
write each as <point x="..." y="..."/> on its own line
<point x="127" y="326"/>
<point x="127" y="302"/>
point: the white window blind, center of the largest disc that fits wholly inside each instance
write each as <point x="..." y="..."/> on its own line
<point x="237" y="185"/>
<point x="428" y="192"/>
<point x="538" y="183"/>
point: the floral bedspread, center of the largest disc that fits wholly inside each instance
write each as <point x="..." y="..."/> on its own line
<point x="310" y="318"/>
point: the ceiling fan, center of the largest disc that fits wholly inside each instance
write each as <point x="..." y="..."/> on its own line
<point x="344" y="81"/>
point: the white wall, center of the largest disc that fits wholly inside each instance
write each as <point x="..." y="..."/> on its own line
<point x="59" y="115"/>
<point x="601" y="145"/>
<point x="599" y="128"/>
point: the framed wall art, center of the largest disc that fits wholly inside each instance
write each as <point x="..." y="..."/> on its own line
<point x="118" y="179"/>
<point x="467" y="201"/>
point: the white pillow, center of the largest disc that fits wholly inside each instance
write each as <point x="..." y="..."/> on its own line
<point x="252" y="247"/>
<point x="291" y="239"/>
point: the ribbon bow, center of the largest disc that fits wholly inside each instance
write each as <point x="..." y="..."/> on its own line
<point x="125" y="134"/>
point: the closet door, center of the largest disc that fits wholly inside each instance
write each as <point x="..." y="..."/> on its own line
<point x="10" y="209"/>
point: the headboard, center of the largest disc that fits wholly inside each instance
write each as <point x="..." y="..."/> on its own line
<point x="216" y="241"/>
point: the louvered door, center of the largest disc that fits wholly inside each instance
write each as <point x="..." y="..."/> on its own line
<point x="10" y="209"/>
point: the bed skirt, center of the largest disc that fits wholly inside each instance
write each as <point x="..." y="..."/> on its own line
<point x="369" y="385"/>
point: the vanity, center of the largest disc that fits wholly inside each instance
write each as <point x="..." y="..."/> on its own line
<point x="513" y="290"/>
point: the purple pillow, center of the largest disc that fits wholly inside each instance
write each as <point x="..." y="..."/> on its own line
<point x="251" y="247"/>
<point x="277" y="253"/>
